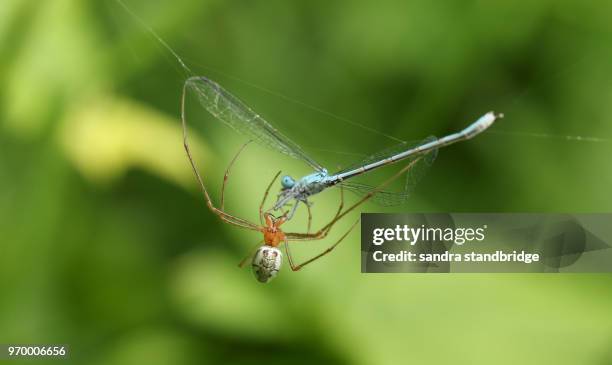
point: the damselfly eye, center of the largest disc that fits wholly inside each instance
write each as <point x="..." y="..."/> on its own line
<point x="287" y="182"/>
<point x="266" y="263"/>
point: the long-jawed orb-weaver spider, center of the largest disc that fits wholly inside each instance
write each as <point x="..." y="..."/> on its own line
<point x="267" y="258"/>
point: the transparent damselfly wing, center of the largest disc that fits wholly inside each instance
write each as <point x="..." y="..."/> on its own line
<point x="421" y="164"/>
<point x="237" y="115"/>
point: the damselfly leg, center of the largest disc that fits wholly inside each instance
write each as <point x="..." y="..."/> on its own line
<point x="322" y="233"/>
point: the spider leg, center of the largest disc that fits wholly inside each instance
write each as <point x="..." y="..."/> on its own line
<point x="328" y="250"/>
<point x="324" y="234"/>
<point x="226" y="217"/>
<point x="323" y="231"/>
<point x="251" y="252"/>
<point x="227" y="172"/>
<point x="263" y="201"/>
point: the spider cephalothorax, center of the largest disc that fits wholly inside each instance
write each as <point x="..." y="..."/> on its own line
<point x="273" y="235"/>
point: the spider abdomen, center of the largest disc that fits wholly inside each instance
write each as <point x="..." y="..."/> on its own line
<point x="266" y="263"/>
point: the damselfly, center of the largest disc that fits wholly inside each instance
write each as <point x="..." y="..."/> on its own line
<point x="232" y="111"/>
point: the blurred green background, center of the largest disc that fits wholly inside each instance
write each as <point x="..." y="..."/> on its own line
<point x="106" y="245"/>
